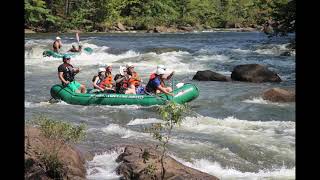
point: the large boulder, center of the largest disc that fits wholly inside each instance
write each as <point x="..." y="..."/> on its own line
<point x="254" y="73"/>
<point x="208" y="75"/>
<point x="278" y="95"/>
<point x="28" y="31"/>
<point x="121" y="27"/>
<point x="143" y="163"/>
<point x="37" y="147"/>
<point x="188" y="28"/>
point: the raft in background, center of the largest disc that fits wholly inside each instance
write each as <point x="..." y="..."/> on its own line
<point x="49" y="53"/>
<point x="186" y="93"/>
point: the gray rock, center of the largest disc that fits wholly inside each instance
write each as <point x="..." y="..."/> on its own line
<point x="254" y="73"/>
<point x="208" y="75"/>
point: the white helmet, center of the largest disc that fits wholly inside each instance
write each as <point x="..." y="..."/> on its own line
<point x="58" y="38"/>
<point x="161" y="66"/>
<point x="122" y="69"/>
<point x="129" y="65"/>
<point x="101" y="70"/>
<point x="107" y="65"/>
<point x="160" y="71"/>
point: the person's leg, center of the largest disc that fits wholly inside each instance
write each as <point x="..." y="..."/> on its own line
<point x="83" y="88"/>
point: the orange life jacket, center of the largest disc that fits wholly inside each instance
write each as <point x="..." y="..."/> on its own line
<point x="135" y="79"/>
<point x="106" y="82"/>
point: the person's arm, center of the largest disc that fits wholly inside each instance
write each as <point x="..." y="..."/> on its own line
<point x="164" y="90"/>
<point x="76" y="70"/>
<point x="95" y="84"/>
<point x="60" y="75"/>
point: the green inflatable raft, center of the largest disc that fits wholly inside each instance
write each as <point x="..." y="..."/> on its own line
<point x="185" y="93"/>
<point x="49" y="53"/>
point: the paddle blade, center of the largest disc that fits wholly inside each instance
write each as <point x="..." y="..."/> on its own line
<point x="179" y="85"/>
<point x="77" y="36"/>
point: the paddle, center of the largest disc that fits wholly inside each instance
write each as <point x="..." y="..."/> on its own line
<point x="78" y="39"/>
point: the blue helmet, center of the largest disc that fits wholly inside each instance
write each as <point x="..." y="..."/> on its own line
<point x="66" y="56"/>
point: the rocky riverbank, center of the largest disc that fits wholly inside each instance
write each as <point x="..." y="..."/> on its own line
<point x="136" y="162"/>
<point x="40" y="165"/>
<point x="120" y="28"/>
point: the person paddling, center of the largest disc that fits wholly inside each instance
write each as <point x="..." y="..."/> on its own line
<point x="156" y="81"/>
<point x="66" y="73"/>
<point x="57" y="44"/>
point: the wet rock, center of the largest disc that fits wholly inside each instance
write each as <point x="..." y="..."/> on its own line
<point x="208" y="75"/>
<point x="143" y="163"/>
<point x="279" y="95"/>
<point x="36" y="147"/>
<point x="286" y="53"/>
<point x="254" y="73"/>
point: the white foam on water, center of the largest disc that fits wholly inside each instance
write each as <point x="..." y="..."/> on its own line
<point x="127" y="133"/>
<point x="33" y="105"/>
<point x="245" y="51"/>
<point x="121" y="131"/>
<point x="103" y="166"/>
<point x="215" y="169"/>
<point x="269" y="136"/>
<point x="62" y="103"/>
<point x="260" y="100"/>
<point x="144" y="121"/>
<point x="275" y="49"/>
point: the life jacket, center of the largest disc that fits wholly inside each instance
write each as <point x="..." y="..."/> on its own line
<point x="150" y="88"/>
<point x="69" y="74"/>
<point x="135" y="79"/>
<point x="107" y="81"/>
<point x="122" y="86"/>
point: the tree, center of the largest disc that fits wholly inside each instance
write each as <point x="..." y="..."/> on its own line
<point x="36" y="13"/>
<point x="172" y="115"/>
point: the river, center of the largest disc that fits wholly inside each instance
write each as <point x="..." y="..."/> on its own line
<point x="232" y="132"/>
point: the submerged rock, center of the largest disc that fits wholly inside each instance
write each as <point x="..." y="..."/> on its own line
<point x="143" y="163"/>
<point x="278" y="95"/>
<point x="254" y="73"/>
<point x="208" y="75"/>
<point x="36" y="148"/>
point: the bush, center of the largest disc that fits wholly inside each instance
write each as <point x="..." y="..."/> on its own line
<point x="60" y="133"/>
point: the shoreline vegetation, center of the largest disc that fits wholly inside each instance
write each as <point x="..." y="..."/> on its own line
<point x="171" y="30"/>
<point x="274" y="17"/>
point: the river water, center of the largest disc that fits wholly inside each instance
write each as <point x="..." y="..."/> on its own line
<point x="231" y="133"/>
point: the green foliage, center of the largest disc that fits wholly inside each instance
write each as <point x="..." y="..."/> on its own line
<point x="60" y="133"/>
<point x="59" y="130"/>
<point x="54" y="168"/>
<point x="150" y="170"/>
<point x="88" y="15"/>
<point x="172" y="114"/>
<point x="285" y="16"/>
